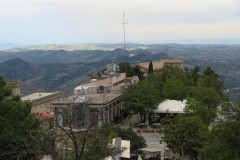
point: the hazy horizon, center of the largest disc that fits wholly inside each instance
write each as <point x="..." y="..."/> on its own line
<point x="181" y="41"/>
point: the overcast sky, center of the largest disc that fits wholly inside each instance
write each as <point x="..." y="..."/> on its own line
<point x="84" y="21"/>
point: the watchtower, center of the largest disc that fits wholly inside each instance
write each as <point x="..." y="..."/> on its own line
<point x="15" y="85"/>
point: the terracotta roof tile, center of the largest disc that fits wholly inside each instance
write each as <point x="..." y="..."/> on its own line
<point x="44" y="115"/>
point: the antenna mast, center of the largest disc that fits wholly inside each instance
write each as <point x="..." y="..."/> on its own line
<point x="124" y="30"/>
<point x="124" y="45"/>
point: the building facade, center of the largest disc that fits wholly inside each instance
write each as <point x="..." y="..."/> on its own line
<point x="41" y="101"/>
<point x="95" y="102"/>
<point x="15" y="87"/>
<point x="81" y="111"/>
<point x="158" y="65"/>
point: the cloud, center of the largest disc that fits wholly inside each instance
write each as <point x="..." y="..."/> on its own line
<point x="186" y="31"/>
<point x="33" y="21"/>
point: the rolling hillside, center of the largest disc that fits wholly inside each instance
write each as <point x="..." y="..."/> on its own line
<point x="55" y="76"/>
<point x="54" y="69"/>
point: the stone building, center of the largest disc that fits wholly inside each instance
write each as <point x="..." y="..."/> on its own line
<point x="41" y="101"/>
<point x="97" y="101"/>
<point x="157" y="65"/>
<point x="82" y="111"/>
<point x="15" y="87"/>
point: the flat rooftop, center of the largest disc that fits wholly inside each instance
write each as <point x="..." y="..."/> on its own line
<point x="101" y="99"/>
<point x="106" y="81"/>
<point x="36" y="95"/>
<point x="92" y="99"/>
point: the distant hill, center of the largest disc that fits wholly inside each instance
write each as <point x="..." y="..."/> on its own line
<point x="54" y="76"/>
<point x="74" y="47"/>
<point x="48" y="65"/>
<point x="62" y="56"/>
<point x="58" y="56"/>
<point x="44" y="76"/>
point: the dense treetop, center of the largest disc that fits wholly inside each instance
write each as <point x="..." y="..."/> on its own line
<point x="21" y="136"/>
<point x="196" y="132"/>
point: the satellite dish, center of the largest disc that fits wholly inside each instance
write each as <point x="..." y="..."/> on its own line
<point x="101" y="88"/>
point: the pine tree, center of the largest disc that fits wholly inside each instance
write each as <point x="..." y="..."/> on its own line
<point x="21" y="136"/>
<point x="150" y="68"/>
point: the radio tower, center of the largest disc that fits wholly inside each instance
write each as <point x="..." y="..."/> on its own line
<point x="124" y="45"/>
<point x="124" y="31"/>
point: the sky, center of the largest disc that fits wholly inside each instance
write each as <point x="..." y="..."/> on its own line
<point x="101" y="21"/>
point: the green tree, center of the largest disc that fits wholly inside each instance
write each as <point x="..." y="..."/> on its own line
<point x="203" y="102"/>
<point x="99" y="146"/>
<point x="142" y="97"/>
<point x="166" y="73"/>
<point x="207" y="96"/>
<point x="136" y="141"/>
<point x="186" y="135"/>
<point x="195" y="74"/>
<point x="150" y="68"/>
<point x="131" y="70"/>
<point x="126" y="66"/>
<point x="4" y="91"/>
<point x="21" y="136"/>
<point x="199" y="109"/>
<point x="174" y="89"/>
<point x="210" y="79"/>
<point x="170" y="72"/>
<point x="138" y="72"/>
<point x="101" y="142"/>
<point x="209" y="72"/>
<point x="90" y="143"/>
<point x="223" y="142"/>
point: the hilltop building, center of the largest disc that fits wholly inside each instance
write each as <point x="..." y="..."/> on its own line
<point x="96" y="101"/>
<point x="158" y="65"/>
<point x="100" y="86"/>
<point x="41" y="101"/>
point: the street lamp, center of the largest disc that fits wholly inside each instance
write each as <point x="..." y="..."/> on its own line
<point x="163" y="149"/>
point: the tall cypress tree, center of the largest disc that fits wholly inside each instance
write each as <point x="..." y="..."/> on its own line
<point x="150" y="68"/>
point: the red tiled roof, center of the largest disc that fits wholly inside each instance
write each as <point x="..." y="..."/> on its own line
<point x="44" y="115"/>
<point x="159" y="64"/>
